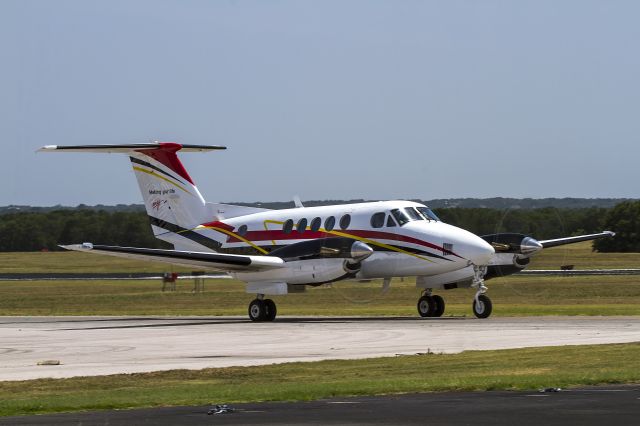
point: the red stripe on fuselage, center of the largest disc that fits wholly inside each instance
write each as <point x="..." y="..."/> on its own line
<point x="278" y="235"/>
<point x="166" y="154"/>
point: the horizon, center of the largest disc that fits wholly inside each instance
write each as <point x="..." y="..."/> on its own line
<point x="472" y="200"/>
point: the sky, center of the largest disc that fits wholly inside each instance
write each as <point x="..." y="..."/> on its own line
<point x="323" y="99"/>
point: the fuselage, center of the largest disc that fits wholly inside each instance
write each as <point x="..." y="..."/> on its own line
<point x="406" y="237"/>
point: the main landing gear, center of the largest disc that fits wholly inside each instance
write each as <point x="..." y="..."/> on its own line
<point x="430" y="305"/>
<point x="261" y="309"/>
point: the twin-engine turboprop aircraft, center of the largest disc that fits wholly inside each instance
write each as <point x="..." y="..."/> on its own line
<point x="276" y="252"/>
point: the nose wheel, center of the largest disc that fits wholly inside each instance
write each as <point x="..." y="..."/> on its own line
<point x="262" y="310"/>
<point x="430" y="305"/>
<point x="482" y="306"/>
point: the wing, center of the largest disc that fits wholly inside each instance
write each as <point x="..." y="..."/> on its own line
<point x="514" y="251"/>
<point x="571" y="240"/>
<point x="209" y="261"/>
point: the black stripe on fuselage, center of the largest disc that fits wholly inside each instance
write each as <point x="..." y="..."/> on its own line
<point x="248" y="250"/>
<point x="186" y="233"/>
<point x="151" y="166"/>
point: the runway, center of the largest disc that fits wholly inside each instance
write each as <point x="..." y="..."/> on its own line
<point x="109" y="345"/>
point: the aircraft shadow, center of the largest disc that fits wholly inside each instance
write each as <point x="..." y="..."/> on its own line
<point x="188" y="322"/>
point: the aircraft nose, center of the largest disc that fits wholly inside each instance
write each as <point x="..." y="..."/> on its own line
<point x="480" y="252"/>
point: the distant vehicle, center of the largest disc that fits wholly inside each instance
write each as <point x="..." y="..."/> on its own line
<point x="276" y="252"/>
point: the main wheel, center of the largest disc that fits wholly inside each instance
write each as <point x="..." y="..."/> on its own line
<point x="257" y="310"/>
<point x="439" y="302"/>
<point x="270" y="305"/>
<point x="426" y="306"/>
<point x="482" y="308"/>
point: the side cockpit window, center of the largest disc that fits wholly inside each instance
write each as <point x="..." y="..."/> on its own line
<point x="400" y="216"/>
<point x="390" y="221"/>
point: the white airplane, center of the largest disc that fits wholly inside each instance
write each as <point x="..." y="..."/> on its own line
<point x="276" y="252"/>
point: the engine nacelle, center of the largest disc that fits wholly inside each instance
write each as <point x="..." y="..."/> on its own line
<point x="315" y="262"/>
<point x="326" y="248"/>
<point x="513" y="243"/>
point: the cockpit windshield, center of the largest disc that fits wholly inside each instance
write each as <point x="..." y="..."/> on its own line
<point x="401" y="216"/>
<point x="428" y="213"/>
<point x="409" y="214"/>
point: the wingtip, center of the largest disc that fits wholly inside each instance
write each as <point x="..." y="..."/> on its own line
<point x="47" y="148"/>
<point x="77" y="247"/>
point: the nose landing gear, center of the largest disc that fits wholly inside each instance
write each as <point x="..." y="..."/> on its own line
<point x="482" y="306"/>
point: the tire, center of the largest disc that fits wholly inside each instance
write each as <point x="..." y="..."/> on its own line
<point x="439" y="302"/>
<point x="426" y="306"/>
<point x="257" y="310"/>
<point x="271" y="310"/>
<point x="483" y="309"/>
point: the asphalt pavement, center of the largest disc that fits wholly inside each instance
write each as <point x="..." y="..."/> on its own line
<point x="597" y="406"/>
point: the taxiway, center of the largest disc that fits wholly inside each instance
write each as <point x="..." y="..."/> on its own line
<point x="108" y="345"/>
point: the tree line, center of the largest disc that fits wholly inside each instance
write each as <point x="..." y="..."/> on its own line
<point x="35" y="231"/>
<point x="44" y="230"/>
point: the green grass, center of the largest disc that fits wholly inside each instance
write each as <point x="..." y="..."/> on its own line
<point x="514" y="369"/>
<point x="583" y="257"/>
<point x="512" y="296"/>
<point x="515" y="296"/>
<point x="76" y="262"/>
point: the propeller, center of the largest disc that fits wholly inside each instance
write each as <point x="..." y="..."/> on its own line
<point x="513" y="243"/>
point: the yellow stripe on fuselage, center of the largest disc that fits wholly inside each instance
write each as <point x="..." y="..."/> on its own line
<point x="234" y="235"/>
<point x="364" y="240"/>
<point x="376" y="243"/>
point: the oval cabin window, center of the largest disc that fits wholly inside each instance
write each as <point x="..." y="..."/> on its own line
<point x="345" y="221"/>
<point x="377" y="220"/>
<point x="287" y="227"/>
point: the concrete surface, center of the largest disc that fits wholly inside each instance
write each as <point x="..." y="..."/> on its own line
<point x="109" y="345"/>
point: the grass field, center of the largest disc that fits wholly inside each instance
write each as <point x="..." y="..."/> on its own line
<point x="616" y="295"/>
<point x="530" y="368"/>
<point x="512" y="296"/>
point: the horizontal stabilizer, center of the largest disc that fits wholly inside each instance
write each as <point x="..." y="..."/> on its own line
<point x="571" y="240"/>
<point x="126" y="148"/>
<point x="209" y="261"/>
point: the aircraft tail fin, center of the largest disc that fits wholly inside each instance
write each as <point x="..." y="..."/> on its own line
<point x="171" y="198"/>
